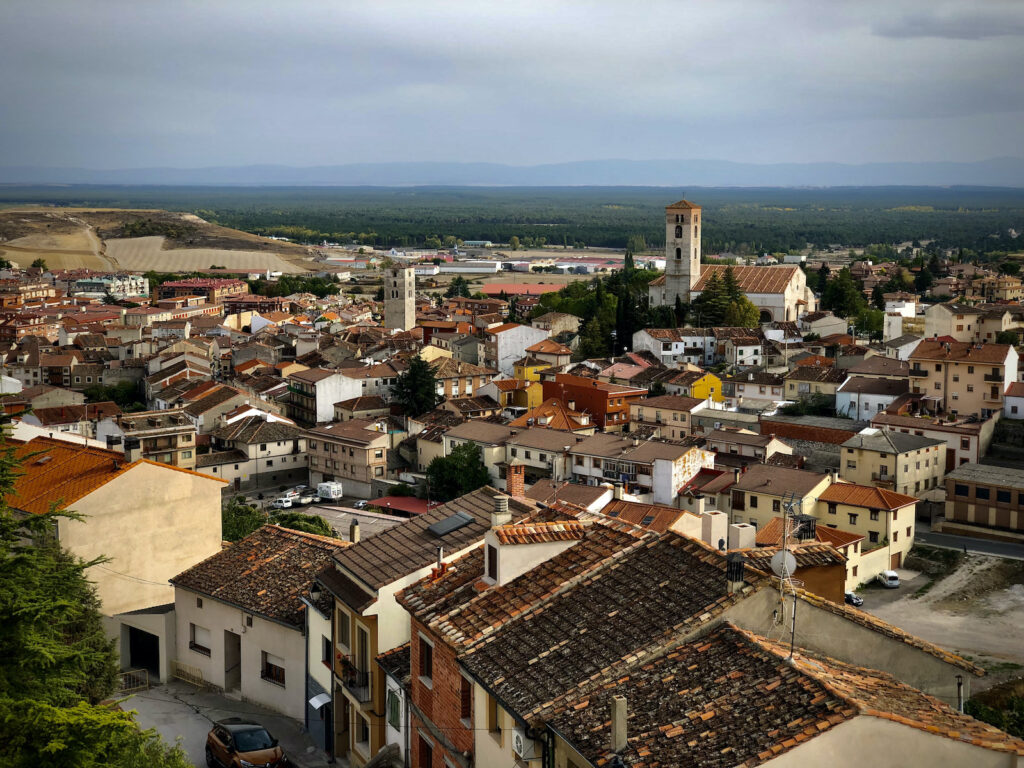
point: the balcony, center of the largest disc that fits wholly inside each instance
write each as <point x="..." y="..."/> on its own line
<point x="994" y="377"/>
<point x="356" y="682"/>
<point x="885" y="479"/>
<point x="919" y="372"/>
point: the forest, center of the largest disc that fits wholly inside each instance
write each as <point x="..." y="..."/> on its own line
<point x="739" y="220"/>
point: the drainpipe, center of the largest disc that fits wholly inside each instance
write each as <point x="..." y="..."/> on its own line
<point x="959" y="693"/>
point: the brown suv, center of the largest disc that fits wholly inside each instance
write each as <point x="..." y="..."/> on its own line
<point x="238" y="743"/>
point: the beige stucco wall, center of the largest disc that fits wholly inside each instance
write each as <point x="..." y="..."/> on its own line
<point x="152" y="522"/>
<point x="831" y="634"/>
<point x="263" y="635"/>
<point x="910" y="473"/>
<point x="872" y="741"/>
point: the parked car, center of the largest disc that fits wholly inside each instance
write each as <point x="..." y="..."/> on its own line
<point x="889" y="579"/>
<point x="361" y="504"/>
<point x="852" y="598"/>
<point x="307" y="497"/>
<point x="282" y="503"/>
<point x="237" y="743"/>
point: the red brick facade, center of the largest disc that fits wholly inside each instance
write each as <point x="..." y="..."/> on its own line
<point x="441" y="701"/>
<point x="609" y="403"/>
<point x="515" y="483"/>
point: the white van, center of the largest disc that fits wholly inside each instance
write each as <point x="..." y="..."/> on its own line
<point x="889" y="579"/>
<point x="330" y="491"/>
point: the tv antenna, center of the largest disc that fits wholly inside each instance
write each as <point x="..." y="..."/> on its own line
<point x="783" y="563"/>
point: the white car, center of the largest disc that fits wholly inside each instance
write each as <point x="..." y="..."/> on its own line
<point x="361" y="504"/>
<point x="282" y="504"/>
<point x="307" y="497"/>
<point x="889" y="579"/>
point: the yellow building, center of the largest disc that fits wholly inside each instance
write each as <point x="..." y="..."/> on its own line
<point x="516" y="393"/>
<point x="884" y="518"/>
<point x="529" y="368"/>
<point x="901" y="462"/>
<point x="698" y="384"/>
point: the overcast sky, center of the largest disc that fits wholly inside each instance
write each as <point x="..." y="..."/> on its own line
<point x="132" y="83"/>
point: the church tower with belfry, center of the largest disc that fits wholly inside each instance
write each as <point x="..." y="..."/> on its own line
<point x="682" y="254"/>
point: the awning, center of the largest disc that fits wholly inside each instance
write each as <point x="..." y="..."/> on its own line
<point x="319" y="700"/>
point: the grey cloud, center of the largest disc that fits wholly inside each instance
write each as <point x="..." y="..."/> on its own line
<point x="955" y="26"/>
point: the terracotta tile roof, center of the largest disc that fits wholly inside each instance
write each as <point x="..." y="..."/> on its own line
<point x="866" y="385"/>
<point x="511" y="385"/>
<point x="878" y="694"/>
<point x="751" y="279"/>
<point x="549" y="347"/>
<point x="553" y="414"/>
<point x="761" y="478"/>
<point x="549" y="492"/>
<point x="66" y="414"/>
<point x="265" y="573"/>
<point x="538" y="533"/>
<point x="642" y="594"/>
<point x="865" y="496"/>
<point x="809" y="555"/>
<point x="719" y="701"/>
<point x="816" y="373"/>
<point x="397" y="663"/>
<point x="961" y="351"/>
<point x="408" y="547"/>
<point x="655" y="517"/>
<point x="770" y="534"/>
<point x="363" y="403"/>
<point x="683" y="205"/>
<point x="1016" y="389"/>
<point x="671" y="402"/>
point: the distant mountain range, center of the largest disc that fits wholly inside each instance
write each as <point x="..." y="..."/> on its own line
<point x="997" y="172"/>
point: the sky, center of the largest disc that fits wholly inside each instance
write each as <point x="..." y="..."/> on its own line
<point x="144" y="83"/>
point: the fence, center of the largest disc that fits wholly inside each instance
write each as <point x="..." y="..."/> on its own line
<point x="132" y="681"/>
<point x="189" y="674"/>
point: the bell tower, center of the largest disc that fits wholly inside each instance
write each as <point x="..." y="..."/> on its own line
<point x="682" y="250"/>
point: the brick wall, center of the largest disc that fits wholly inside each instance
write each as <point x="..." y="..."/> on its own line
<point x="515" y="484"/>
<point x="441" y="701"/>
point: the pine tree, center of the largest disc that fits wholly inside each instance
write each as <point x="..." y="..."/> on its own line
<point x="460" y="472"/>
<point x="415" y="389"/>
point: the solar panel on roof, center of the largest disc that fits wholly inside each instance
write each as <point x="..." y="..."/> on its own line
<point x="450" y="523"/>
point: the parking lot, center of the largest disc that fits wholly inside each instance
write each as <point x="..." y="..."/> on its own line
<point x="183" y="713"/>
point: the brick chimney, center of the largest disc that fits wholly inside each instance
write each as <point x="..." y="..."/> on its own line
<point x="515" y="482"/>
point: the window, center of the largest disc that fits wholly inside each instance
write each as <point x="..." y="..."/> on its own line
<point x="263" y="446"/>
<point x="248" y="621"/>
<point x="895" y="536"/>
<point x="199" y="639"/>
<point x="270" y="462"/>
<point x="426" y="752"/>
<point x="873" y="537"/>
<point x="855" y="570"/>
<point x="776" y="505"/>
<point x="981" y="492"/>
<point x="492" y="562"/>
<point x="853" y="518"/>
<point x="199" y="602"/>
<point x="466" y="701"/>
<point x="579" y="461"/>
<point x="832" y="507"/>
<point x="851" y="464"/>
<point x="965" y="444"/>
<point x="493" y="717"/>
<point x="753" y="501"/>
<point x="874" y="514"/>
<point x="325" y="650"/>
<point x="272" y="668"/>
<point x="378" y="454"/>
<point x="186" y="454"/>
<point x="1003" y="497"/>
<point x="961" y="490"/>
<point x="394" y="709"/>
<point x="426" y="660"/>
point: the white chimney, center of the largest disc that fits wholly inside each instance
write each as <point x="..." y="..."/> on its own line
<point x="353" y="531"/>
<point x="618" y="735"/>
<point x="741" y="536"/>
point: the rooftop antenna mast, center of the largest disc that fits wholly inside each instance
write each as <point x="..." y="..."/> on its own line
<point x="783" y="563"/>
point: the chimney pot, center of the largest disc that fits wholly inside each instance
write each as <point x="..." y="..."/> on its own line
<point x="353" y="531"/>
<point x="500" y="516"/>
<point x="618" y="717"/>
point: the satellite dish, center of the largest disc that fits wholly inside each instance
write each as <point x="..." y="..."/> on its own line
<point x="783" y="564"/>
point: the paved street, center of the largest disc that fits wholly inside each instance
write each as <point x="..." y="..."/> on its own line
<point x="182" y="712"/>
<point x="979" y="546"/>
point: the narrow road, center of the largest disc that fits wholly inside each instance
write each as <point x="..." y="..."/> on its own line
<point x="979" y="546"/>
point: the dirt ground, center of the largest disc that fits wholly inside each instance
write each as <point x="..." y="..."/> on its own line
<point x="977" y="611"/>
<point x="154" y="253"/>
<point x="69" y="238"/>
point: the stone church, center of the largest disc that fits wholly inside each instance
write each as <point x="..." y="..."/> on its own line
<point x="779" y="292"/>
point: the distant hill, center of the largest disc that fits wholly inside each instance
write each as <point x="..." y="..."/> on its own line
<point x="997" y="172"/>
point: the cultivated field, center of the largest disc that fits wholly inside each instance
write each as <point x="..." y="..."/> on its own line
<point x="149" y="253"/>
<point x="73" y="238"/>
